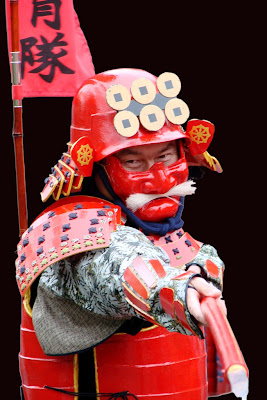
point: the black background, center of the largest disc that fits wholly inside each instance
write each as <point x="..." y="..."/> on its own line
<point x="217" y="51"/>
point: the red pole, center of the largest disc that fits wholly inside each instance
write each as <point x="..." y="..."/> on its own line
<point x="17" y="131"/>
<point x="228" y="349"/>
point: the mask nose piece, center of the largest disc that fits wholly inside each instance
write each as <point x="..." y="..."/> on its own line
<point x="159" y="181"/>
<point x="157" y="166"/>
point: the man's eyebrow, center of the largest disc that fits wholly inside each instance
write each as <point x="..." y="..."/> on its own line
<point x="126" y="152"/>
<point x="136" y="152"/>
<point x="168" y="146"/>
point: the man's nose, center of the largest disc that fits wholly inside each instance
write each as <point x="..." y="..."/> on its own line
<point x="149" y="164"/>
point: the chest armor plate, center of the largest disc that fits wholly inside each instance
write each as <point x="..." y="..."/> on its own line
<point x="156" y="363"/>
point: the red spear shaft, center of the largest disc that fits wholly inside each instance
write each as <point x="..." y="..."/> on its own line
<point x="228" y="349"/>
<point x="17" y="131"/>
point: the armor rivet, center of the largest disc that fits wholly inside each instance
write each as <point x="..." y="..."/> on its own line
<point x="101" y="213"/>
<point x="39" y="251"/>
<point x="30" y="229"/>
<point x="64" y="251"/>
<point x="36" y="269"/>
<point x="53" y="256"/>
<point x="41" y="239"/>
<point x="64" y="238"/>
<point x="73" y="216"/>
<point x="76" y="246"/>
<point x="46" y="226"/>
<point x="168" y="239"/>
<point x="78" y="207"/>
<point x="65" y="227"/>
<point x="25" y="242"/>
<point x="22" y="270"/>
<point x="88" y="243"/>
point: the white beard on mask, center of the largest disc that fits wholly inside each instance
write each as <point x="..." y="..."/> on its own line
<point x="138" y="200"/>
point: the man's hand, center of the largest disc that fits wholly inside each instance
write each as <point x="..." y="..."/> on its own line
<point x="198" y="289"/>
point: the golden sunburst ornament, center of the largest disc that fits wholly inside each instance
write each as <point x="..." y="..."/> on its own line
<point x="200" y="134"/>
<point x="84" y="154"/>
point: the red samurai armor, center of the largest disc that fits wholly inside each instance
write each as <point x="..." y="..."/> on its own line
<point x="112" y="111"/>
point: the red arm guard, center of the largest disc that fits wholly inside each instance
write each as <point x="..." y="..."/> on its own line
<point x="142" y="283"/>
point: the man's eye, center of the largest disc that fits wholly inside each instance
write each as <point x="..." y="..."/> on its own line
<point x="132" y="163"/>
<point x="164" y="156"/>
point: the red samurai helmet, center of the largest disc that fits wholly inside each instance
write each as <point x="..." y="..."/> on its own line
<point x="123" y="108"/>
<point x="129" y="107"/>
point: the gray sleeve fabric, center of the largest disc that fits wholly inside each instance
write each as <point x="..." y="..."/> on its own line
<point x="208" y="253"/>
<point x="92" y="281"/>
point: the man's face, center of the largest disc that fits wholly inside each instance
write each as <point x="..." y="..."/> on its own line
<point x="148" y="178"/>
<point x="142" y="158"/>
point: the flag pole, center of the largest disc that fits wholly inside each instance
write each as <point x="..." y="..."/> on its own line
<point x="17" y="131"/>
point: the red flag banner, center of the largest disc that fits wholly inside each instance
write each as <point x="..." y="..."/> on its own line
<point x="55" y="58"/>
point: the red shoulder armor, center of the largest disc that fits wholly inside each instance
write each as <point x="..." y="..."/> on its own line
<point x="70" y="226"/>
